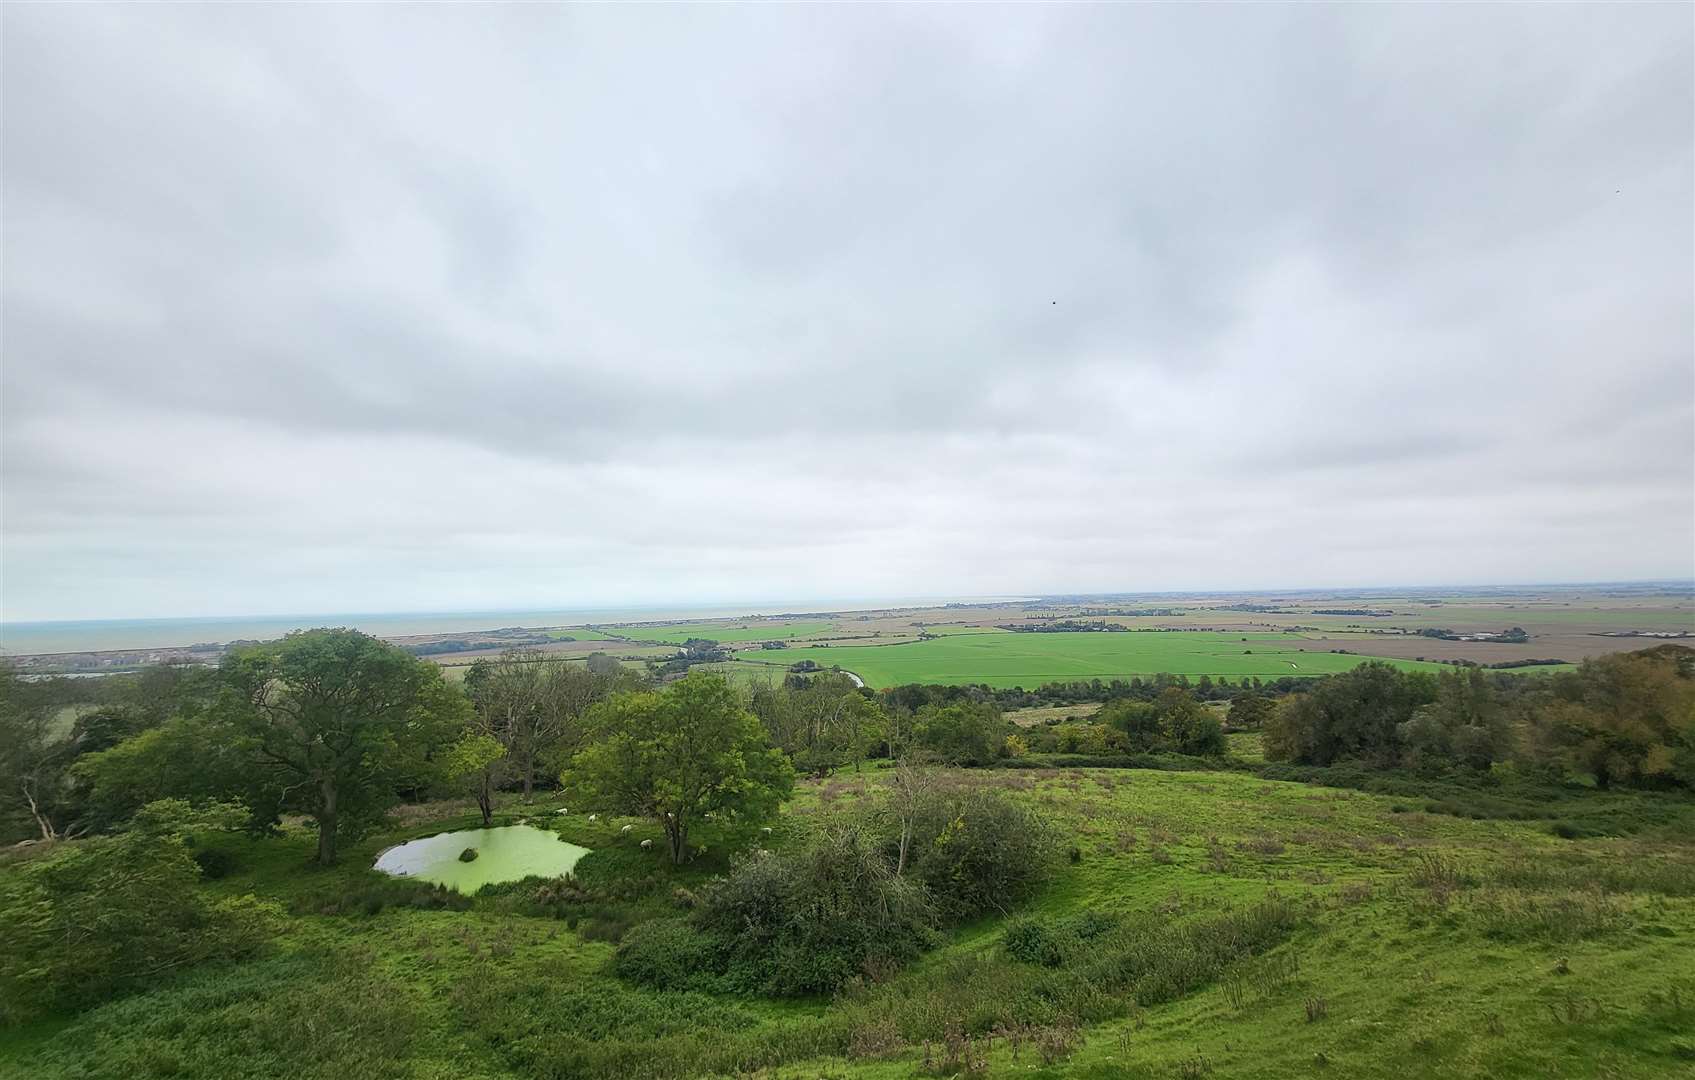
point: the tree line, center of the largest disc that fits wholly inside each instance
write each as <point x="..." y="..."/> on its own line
<point x="1623" y="719"/>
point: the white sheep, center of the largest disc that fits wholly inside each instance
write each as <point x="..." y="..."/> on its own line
<point x="562" y="810"/>
<point x="766" y="830"/>
<point x="625" y="829"/>
<point x="594" y="817"/>
<point x="646" y="844"/>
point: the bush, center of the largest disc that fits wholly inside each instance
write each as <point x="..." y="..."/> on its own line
<point x="379" y="891"/>
<point x="788" y="925"/>
<point x="468" y="855"/>
<point x="214" y="863"/>
<point x="99" y="917"/>
<point x="1054" y="942"/>
<point x="1174" y="723"/>
<point x="979" y="852"/>
<point x="670" y="953"/>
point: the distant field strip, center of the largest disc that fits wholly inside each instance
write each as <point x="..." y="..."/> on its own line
<point x="1028" y="660"/>
<point x="678" y="633"/>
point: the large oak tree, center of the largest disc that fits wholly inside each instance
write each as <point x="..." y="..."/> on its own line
<point x="333" y="719"/>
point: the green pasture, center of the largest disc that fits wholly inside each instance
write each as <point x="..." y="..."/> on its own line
<point x="579" y="633"/>
<point x="1028" y="660"/>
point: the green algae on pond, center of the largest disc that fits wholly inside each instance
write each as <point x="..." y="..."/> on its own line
<point x="504" y="854"/>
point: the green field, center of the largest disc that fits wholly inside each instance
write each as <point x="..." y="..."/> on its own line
<point x="678" y="633"/>
<point x="579" y="633"/>
<point x="1005" y="659"/>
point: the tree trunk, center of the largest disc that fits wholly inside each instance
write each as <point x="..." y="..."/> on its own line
<point x="905" y="839"/>
<point x="678" y="837"/>
<point x="529" y="772"/>
<point x="326" y="823"/>
<point x="42" y="822"/>
<point x="485" y="801"/>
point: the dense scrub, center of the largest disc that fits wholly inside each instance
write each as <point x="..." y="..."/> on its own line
<point x="90" y="920"/>
<point x="845" y="906"/>
<point x="1628" y="719"/>
<point x="789" y="925"/>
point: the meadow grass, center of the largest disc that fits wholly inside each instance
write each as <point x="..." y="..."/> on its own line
<point x="1252" y="928"/>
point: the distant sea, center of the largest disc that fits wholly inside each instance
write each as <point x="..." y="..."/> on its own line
<point x="104" y="635"/>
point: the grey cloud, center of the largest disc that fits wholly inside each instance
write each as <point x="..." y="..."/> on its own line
<point x="524" y="306"/>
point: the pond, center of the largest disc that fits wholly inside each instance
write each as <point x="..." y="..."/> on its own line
<point x="504" y="854"/>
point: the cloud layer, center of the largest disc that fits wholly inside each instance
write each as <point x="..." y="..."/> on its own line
<point x="317" y="308"/>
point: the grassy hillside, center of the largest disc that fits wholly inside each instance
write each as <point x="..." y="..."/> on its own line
<point x="1403" y="944"/>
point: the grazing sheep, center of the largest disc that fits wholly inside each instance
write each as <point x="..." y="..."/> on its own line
<point x="625" y="829"/>
<point x="594" y="817"/>
<point x="646" y="844"/>
<point x="563" y="810"/>
<point x="766" y="830"/>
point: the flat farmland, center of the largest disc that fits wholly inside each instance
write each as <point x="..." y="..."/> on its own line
<point x="744" y="630"/>
<point x="1028" y="660"/>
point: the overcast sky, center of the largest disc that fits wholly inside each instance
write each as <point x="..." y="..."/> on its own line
<point x="320" y="309"/>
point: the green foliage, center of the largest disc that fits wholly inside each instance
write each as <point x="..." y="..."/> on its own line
<point x="979" y="852"/>
<point x="1250" y="711"/>
<point x="334" y="721"/>
<point x="470" y="765"/>
<point x="1055" y="941"/>
<point x="1173" y="723"/>
<point x="1625" y="718"/>
<point x="788" y="925"/>
<point x="182" y="819"/>
<point x="191" y="758"/>
<point x="965" y="733"/>
<point x="533" y="706"/>
<point x="315" y="1015"/>
<point x="371" y="893"/>
<point x="688" y="757"/>
<point x="98" y="917"/>
<point x="672" y="954"/>
<point x="823" y="723"/>
<point x="1356" y="715"/>
<point x="33" y="759"/>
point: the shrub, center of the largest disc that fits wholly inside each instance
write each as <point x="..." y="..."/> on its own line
<point x="99" y="917"/>
<point x="980" y="852"/>
<point x="788" y="925"/>
<point x="377" y="892"/>
<point x="1053" y="942"/>
<point x="468" y="855"/>
<point x="1173" y="723"/>
<point x="670" y="953"/>
<point x="214" y="863"/>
